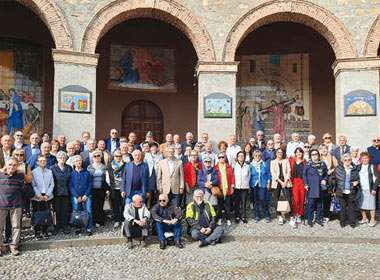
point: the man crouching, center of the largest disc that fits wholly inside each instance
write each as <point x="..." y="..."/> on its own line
<point x="200" y="215"/>
<point x="136" y="221"/>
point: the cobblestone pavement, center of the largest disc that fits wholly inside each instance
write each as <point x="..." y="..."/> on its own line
<point x="241" y="256"/>
<point x="229" y="260"/>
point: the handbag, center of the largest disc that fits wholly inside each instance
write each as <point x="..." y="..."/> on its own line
<point x="42" y="217"/>
<point x="216" y="191"/>
<point x="79" y="218"/>
<point x="283" y="204"/>
<point x="335" y="206"/>
<point x="107" y="204"/>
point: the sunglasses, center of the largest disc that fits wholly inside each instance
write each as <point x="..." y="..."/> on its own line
<point x="19" y="155"/>
<point x="220" y="157"/>
<point x="19" y="135"/>
<point x="307" y="147"/>
<point x="376" y="140"/>
<point x="347" y="159"/>
<point x="162" y="200"/>
<point x="96" y="156"/>
<point x="327" y="137"/>
<point x="117" y="155"/>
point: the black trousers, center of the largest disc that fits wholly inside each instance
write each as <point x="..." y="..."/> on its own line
<point x="61" y="207"/>
<point x="117" y="206"/>
<point x="347" y="213"/>
<point x="98" y="196"/>
<point x="326" y="202"/>
<point x="224" y="203"/>
<point x="241" y="197"/>
<point x="8" y="228"/>
<point x="40" y="206"/>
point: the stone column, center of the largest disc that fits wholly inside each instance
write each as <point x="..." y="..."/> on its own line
<point x="216" y="78"/>
<point x="353" y="75"/>
<point x="78" y="70"/>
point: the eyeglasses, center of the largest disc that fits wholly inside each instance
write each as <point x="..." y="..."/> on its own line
<point x="314" y="154"/>
<point x="117" y="155"/>
<point x="96" y="156"/>
<point x="19" y="155"/>
<point x="220" y="157"/>
<point x="347" y="159"/>
<point x="19" y="135"/>
<point x="162" y="200"/>
<point x="327" y="137"/>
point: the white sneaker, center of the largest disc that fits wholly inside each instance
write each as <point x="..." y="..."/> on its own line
<point x="326" y="220"/>
<point x="293" y="223"/>
<point x="219" y="222"/>
<point x="298" y="220"/>
<point x="116" y="225"/>
<point x="228" y="222"/>
<point x="280" y="220"/>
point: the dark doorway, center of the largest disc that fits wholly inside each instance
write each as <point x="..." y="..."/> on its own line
<point x="142" y="116"/>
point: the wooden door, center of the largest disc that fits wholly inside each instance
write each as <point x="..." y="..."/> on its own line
<point x="143" y="116"/>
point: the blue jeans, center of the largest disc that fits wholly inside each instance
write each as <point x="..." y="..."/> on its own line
<point x="128" y="199"/>
<point x="261" y="201"/>
<point x="313" y="203"/>
<point x="161" y="228"/>
<point x="87" y="205"/>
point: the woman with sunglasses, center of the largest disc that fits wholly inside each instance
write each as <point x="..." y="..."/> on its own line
<point x="25" y="169"/>
<point x="327" y="140"/>
<point x="297" y="165"/>
<point x="315" y="179"/>
<point x="226" y="180"/>
<point x="115" y="171"/>
<point x="280" y="172"/>
<point x="100" y="187"/>
<point x="347" y="182"/>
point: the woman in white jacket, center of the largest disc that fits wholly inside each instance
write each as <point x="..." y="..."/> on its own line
<point x="242" y="175"/>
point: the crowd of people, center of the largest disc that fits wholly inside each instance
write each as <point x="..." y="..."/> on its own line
<point x="162" y="187"/>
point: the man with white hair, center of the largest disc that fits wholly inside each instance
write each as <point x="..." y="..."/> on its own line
<point x="311" y="140"/>
<point x="200" y="215"/>
<point x="341" y="148"/>
<point x="136" y="220"/>
<point x="232" y="150"/>
<point x="135" y="178"/>
<point x="188" y="142"/>
<point x="113" y="142"/>
<point x="45" y="151"/>
<point x="293" y="144"/>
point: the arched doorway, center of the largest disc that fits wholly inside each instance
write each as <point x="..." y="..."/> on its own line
<point x="27" y="70"/>
<point x="142" y="116"/>
<point x="285" y="82"/>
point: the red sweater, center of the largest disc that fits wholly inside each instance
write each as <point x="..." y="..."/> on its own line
<point x="230" y="178"/>
<point x="190" y="174"/>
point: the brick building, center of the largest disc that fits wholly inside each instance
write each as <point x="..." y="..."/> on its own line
<point x="213" y="66"/>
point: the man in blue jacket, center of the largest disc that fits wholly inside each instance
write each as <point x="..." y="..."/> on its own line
<point x="113" y="142"/>
<point x="135" y="178"/>
<point x="208" y="178"/>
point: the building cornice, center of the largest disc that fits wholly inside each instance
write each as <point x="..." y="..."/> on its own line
<point x="356" y="64"/>
<point x="75" y="58"/>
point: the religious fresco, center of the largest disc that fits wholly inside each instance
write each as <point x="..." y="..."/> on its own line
<point x="273" y="95"/>
<point x="142" y="68"/>
<point x="21" y="87"/>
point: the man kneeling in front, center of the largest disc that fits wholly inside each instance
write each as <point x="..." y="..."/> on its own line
<point x="168" y="219"/>
<point x="200" y="215"/>
<point x="136" y="220"/>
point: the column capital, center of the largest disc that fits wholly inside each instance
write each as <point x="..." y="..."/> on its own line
<point x="355" y="64"/>
<point x="76" y="58"/>
<point x="216" y="67"/>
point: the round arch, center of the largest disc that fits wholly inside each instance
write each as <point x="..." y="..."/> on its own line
<point x="302" y="12"/>
<point x="165" y="10"/>
<point x="51" y="15"/>
<point x="372" y="42"/>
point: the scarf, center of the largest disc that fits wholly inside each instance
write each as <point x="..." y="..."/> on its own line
<point x="318" y="166"/>
<point x="117" y="168"/>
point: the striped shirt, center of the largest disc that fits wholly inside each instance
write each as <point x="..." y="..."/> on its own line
<point x="11" y="190"/>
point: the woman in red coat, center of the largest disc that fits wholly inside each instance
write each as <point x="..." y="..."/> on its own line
<point x="226" y="180"/>
<point x="190" y="171"/>
<point x="297" y="165"/>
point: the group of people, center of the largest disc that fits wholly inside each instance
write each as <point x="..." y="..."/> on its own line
<point x="199" y="184"/>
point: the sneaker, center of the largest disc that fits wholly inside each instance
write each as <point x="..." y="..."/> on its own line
<point x="372" y="223"/>
<point x="267" y="220"/>
<point x="116" y="225"/>
<point x="144" y="242"/>
<point x="363" y="222"/>
<point x="326" y="220"/>
<point x="202" y="243"/>
<point x="280" y="220"/>
<point x="319" y="223"/>
<point x="179" y="244"/>
<point x="97" y="225"/>
<point x="293" y="223"/>
<point x="245" y="221"/>
<point x="14" y="250"/>
<point x="89" y="232"/>
<point x="219" y="222"/>
<point x="237" y="220"/>
<point x="257" y="220"/>
<point x="299" y="220"/>
<point x="162" y="245"/>
<point x="228" y="222"/>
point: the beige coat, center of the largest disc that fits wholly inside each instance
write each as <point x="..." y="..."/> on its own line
<point x="170" y="182"/>
<point x="275" y="172"/>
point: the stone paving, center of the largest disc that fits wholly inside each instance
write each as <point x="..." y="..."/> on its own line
<point x="241" y="256"/>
